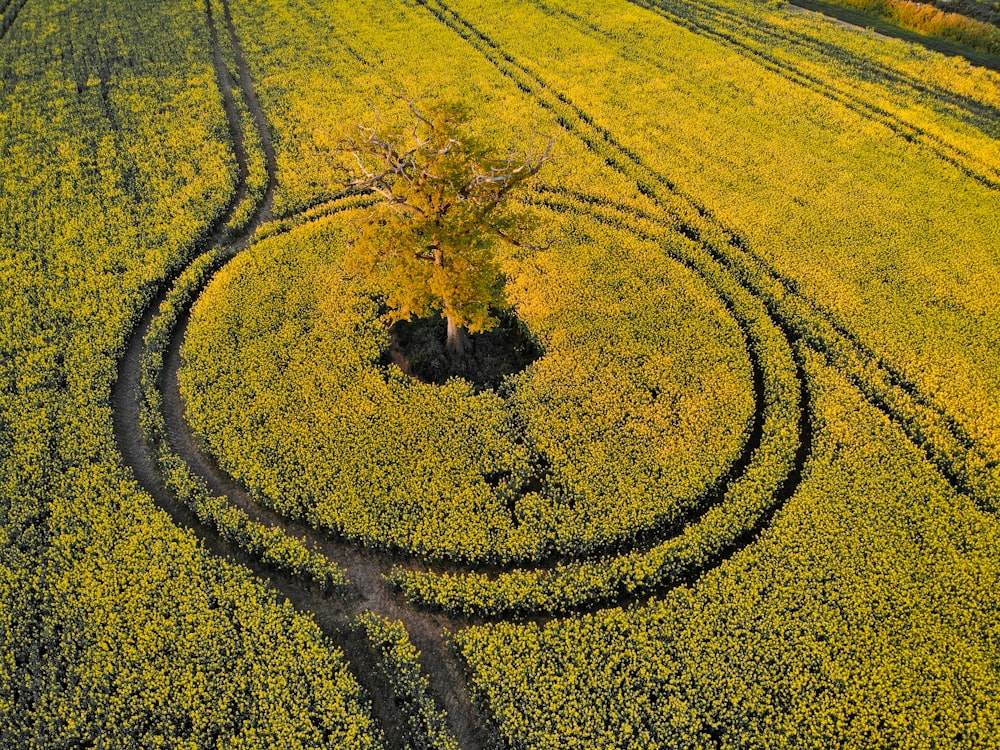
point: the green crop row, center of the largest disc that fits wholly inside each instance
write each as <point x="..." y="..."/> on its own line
<point x="428" y="725"/>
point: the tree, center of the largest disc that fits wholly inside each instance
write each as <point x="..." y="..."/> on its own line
<point x="430" y="242"/>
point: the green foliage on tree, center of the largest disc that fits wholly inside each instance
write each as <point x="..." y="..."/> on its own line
<point x="430" y="244"/>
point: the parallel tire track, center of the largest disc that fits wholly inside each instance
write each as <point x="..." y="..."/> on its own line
<point x="11" y="17"/>
<point x="984" y="116"/>
<point x="264" y="210"/>
<point x="943" y="150"/>
<point x="371" y="560"/>
<point x="945" y="443"/>
<point x="925" y="423"/>
<point x="867" y="68"/>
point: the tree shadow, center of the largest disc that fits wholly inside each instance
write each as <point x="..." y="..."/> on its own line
<point x="417" y="347"/>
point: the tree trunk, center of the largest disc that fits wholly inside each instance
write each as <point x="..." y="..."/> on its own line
<point x="455" y="344"/>
<point x="456" y="341"/>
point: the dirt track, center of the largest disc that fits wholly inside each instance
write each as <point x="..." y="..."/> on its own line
<point x="368" y="590"/>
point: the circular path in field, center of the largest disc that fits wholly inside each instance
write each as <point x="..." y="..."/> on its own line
<point x="642" y="402"/>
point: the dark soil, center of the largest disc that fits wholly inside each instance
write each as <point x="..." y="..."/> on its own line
<point x="417" y="347"/>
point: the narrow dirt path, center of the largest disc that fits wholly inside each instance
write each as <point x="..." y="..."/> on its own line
<point x="447" y="677"/>
<point x="125" y="392"/>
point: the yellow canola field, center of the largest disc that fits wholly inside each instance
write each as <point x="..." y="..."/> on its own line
<point x="641" y="400"/>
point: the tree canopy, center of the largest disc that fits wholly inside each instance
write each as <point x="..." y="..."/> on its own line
<point x="430" y="244"/>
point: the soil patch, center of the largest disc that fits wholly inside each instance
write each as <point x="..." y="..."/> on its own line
<point x="417" y="347"/>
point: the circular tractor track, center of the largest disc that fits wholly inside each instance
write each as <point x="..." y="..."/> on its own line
<point x="369" y="589"/>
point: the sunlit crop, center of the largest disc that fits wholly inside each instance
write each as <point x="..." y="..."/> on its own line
<point x="745" y="496"/>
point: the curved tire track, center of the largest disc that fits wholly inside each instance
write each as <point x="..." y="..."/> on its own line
<point x="889" y="390"/>
<point x="221" y="483"/>
<point x="334" y="615"/>
<point x="352" y="552"/>
<point x="370" y="590"/>
<point x="10" y="18"/>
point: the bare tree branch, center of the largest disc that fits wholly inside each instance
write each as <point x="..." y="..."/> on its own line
<point x="416" y="112"/>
